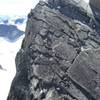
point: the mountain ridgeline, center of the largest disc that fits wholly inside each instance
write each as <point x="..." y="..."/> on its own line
<point x="10" y="32"/>
<point x="60" y="55"/>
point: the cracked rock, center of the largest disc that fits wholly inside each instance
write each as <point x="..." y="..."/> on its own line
<point x="60" y="55"/>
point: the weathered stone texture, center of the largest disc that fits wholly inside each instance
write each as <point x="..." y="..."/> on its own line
<point x="55" y="50"/>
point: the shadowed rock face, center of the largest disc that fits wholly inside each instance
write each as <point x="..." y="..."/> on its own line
<point x="95" y="3"/>
<point x="85" y="71"/>
<point x="55" y="48"/>
<point x="95" y="6"/>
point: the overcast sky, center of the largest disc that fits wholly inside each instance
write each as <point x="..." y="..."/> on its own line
<point x="16" y="7"/>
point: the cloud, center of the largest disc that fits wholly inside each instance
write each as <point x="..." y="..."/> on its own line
<point x="86" y="1"/>
<point x="16" y="7"/>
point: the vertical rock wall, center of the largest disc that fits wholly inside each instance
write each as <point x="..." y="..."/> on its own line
<point x="95" y="3"/>
<point x="60" y="55"/>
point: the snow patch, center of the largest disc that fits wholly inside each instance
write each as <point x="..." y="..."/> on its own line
<point x="8" y="52"/>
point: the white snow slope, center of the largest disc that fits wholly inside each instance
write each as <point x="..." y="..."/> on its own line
<point x="7" y="55"/>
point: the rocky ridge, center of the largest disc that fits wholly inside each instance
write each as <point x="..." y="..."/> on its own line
<point x="60" y="54"/>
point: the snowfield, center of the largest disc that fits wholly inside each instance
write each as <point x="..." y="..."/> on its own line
<point x="8" y="52"/>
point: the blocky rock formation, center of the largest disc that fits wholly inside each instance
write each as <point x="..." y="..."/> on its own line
<point x="95" y="6"/>
<point x="60" y="54"/>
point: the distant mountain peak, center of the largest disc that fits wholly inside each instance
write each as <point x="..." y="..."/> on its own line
<point x="1" y="68"/>
<point x="10" y="32"/>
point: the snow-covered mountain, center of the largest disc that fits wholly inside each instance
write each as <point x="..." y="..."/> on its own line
<point x="7" y="55"/>
<point x="15" y="20"/>
<point x="10" y="32"/>
<point x="12" y="27"/>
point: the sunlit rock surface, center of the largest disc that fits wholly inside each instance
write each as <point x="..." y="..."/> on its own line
<point x="60" y="55"/>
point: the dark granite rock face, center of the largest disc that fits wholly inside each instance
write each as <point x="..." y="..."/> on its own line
<point x="55" y="48"/>
<point x="86" y="71"/>
<point x="95" y="3"/>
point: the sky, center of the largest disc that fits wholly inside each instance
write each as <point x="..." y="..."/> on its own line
<point x="22" y="7"/>
<point x="16" y="7"/>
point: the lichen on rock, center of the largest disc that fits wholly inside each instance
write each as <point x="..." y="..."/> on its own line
<point x="59" y="49"/>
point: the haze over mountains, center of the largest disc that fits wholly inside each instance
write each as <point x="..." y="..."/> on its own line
<point x="11" y="28"/>
<point x="13" y="16"/>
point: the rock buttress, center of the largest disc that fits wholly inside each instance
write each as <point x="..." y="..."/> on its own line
<point x="55" y="50"/>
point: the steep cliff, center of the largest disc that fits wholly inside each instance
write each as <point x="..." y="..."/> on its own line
<point x="60" y="54"/>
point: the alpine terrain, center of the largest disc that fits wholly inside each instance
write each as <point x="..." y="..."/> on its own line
<point x="60" y="55"/>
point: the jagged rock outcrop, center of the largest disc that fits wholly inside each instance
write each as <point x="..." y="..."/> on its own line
<point x="60" y="54"/>
<point x="95" y="6"/>
<point x="95" y="3"/>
